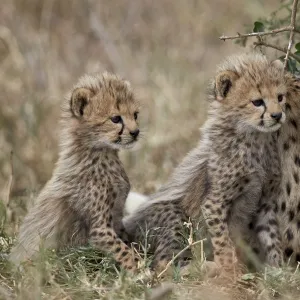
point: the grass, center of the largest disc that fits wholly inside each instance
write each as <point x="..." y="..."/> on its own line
<point x="168" y="50"/>
<point x="83" y="273"/>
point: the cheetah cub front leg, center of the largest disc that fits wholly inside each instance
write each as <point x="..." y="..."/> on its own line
<point x="267" y="229"/>
<point x="104" y="237"/>
<point x="216" y="214"/>
<point x="106" y="229"/>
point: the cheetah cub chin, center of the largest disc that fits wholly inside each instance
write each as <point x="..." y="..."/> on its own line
<point x="232" y="177"/>
<point x="84" y="199"/>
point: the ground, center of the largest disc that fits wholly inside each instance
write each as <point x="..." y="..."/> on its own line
<point x="168" y="50"/>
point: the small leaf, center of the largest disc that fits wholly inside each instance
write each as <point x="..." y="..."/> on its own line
<point x="297" y="46"/>
<point x="291" y="65"/>
<point x="248" y="277"/>
<point x="258" y="27"/>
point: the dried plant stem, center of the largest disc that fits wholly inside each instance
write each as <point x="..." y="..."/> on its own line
<point x="284" y="50"/>
<point x="178" y="254"/>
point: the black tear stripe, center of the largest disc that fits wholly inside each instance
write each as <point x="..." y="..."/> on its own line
<point x="261" y="123"/>
<point x="262" y="116"/>
<point x="122" y="129"/>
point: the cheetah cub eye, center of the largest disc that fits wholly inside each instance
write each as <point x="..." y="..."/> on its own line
<point x="116" y="119"/>
<point x="259" y="102"/>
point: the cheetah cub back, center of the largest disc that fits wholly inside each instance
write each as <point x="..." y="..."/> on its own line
<point x="84" y="199"/>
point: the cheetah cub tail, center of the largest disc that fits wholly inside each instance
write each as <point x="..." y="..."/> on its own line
<point x="134" y="201"/>
<point x="38" y="229"/>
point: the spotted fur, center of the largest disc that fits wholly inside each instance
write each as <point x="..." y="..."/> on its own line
<point x="84" y="199"/>
<point x="288" y="206"/>
<point x="232" y="177"/>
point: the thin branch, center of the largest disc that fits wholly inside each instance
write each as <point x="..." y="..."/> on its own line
<point x="284" y="50"/>
<point x="287" y="28"/>
<point x="291" y="40"/>
<point x="178" y="254"/>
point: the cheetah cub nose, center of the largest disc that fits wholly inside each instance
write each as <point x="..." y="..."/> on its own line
<point x="135" y="133"/>
<point x="276" y="116"/>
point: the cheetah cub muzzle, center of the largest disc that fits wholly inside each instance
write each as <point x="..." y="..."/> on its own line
<point x="84" y="199"/>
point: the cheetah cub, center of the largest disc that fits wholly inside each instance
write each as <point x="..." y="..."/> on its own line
<point x="232" y="177"/>
<point x="84" y="199"/>
<point x="288" y="204"/>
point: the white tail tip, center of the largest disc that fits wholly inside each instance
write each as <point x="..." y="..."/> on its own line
<point x="133" y="201"/>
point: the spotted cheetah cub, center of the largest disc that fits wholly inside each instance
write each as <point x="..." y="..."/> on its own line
<point x="232" y="177"/>
<point x="84" y="199"/>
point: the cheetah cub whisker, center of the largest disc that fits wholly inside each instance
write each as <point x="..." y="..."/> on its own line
<point x="85" y="197"/>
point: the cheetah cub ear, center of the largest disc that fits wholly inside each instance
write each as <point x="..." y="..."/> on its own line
<point x="79" y="100"/>
<point x="223" y="84"/>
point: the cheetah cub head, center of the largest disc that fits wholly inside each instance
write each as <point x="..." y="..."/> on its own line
<point x="104" y="111"/>
<point x="253" y="90"/>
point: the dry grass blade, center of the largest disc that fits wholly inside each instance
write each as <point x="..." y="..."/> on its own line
<point x="177" y="255"/>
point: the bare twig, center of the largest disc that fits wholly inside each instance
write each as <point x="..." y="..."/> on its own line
<point x="10" y="180"/>
<point x="284" y="50"/>
<point x="291" y="39"/>
<point x="178" y="254"/>
<point x="274" y="31"/>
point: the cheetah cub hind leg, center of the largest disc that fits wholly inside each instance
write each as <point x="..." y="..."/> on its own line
<point x="160" y="228"/>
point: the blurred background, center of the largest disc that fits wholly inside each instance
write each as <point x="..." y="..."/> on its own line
<point x="168" y="50"/>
